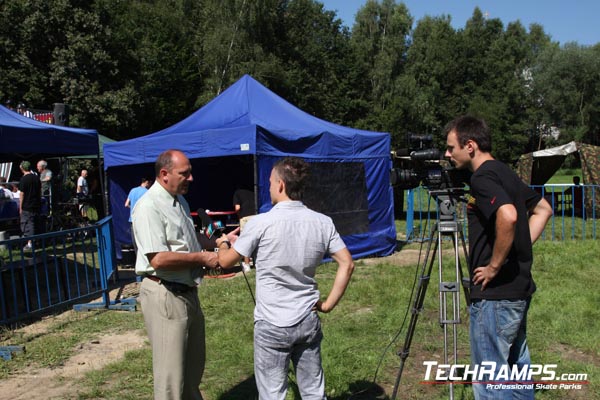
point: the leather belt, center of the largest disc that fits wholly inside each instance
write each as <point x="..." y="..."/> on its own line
<point x="153" y="278"/>
<point x="174" y="287"/>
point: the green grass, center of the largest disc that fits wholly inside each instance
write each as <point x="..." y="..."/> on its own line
<point x="565" y="176"/>
<point x="362" y="333"/>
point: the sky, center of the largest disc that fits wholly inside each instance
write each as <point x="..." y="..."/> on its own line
<point x="564" y="21"/>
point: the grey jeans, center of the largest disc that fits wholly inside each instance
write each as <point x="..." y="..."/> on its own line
<point x="274" y="347"/>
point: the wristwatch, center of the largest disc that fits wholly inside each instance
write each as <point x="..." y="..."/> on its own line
<point x="227" y="242"/>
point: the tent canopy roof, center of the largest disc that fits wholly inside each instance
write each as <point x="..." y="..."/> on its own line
<point x="23" y="135"/>
<point x="231" y="122"/>
<point x="538" y="167"/>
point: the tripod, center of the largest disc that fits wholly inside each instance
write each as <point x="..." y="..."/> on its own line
<point x="449" y="291"/>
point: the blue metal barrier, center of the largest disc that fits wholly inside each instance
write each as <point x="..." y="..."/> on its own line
<point x="106" y="253"/>
<point x="62" y="268"/>
<point x="576" y="212"/>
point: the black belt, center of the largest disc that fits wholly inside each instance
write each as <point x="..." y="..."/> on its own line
<point x="177" y="288"/>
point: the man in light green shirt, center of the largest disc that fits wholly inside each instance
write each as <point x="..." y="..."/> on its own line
<point x="170" y="259"/>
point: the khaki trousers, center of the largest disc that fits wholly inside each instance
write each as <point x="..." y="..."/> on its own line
<point x="175" y="326"/>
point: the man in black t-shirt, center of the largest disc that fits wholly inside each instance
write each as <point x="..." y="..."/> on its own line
<point x="505" y="218"/>
<point x="244" y="203"/>
<point x="30" y="201"/>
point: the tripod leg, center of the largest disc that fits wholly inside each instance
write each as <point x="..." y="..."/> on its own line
<point x="466" y="281"/>
<point x="450" y="306"/>
<point x="417" y="306"/>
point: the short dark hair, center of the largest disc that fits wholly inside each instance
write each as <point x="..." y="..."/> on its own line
<point x="293" y="171"/>
<point x="468" y="127"/>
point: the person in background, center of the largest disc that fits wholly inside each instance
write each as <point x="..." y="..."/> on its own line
<point x="505" y="218"/>
<point x="5" y="192"/>
<point x="24" y="111"/>
<point x="244" y="205"/>
<point x="170" y="260"/>
<point x="290" y="242"/>
<point x="15" y="190"/>
<point x="45" y="175"/>
<point x="134" y="195"/>
<point x="30" y="201"/>
<point x="83" y="192"/>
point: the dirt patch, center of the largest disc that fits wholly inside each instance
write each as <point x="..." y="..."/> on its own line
<point x="405" y="257"/>
<point x="61" y="382"/>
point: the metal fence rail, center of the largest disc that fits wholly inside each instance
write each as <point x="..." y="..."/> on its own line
<point x="576" y="212"/>
<point x="61" y="268"/>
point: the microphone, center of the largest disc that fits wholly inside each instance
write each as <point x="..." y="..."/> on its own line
<point x="215" y="228"/>
<point x="425" y="155"/>
<point x="402" y="153"/>
<point x="210" y="230"/>
<point x="205" y="220"/>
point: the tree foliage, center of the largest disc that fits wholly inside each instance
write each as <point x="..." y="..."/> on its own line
<point x="128" y="68"/>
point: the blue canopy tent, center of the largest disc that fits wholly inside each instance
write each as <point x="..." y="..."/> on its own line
<point x="22" y="136"/>
<point x="234" y="141"/>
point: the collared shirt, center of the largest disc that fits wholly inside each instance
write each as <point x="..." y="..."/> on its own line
<point x="162" y="222"/>
<point x="290" y="242"/>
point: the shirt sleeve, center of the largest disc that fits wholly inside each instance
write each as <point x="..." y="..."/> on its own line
<point x="336" y="243"/>
<point x="149" y="229"/>
<point x="489" y="193"/>
<point x="248" y="240"/>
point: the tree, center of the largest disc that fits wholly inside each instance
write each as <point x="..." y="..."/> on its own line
<point x="495" y="67"/>
<point x="380" y="41"/>
<point x="424" y="100"/>
<point x="158" y="66"/>
<point x="567" y="82"/>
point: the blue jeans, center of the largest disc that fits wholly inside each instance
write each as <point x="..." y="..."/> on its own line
<point x="498" y="333"/>
<point x="274" y="347"/>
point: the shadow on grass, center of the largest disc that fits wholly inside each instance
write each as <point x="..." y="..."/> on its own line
<point x="360" y="390"/>
<point x="245" y="390"/>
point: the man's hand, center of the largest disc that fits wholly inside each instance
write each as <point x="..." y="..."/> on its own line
<point x="320" y="306"/>
<point x="233" y="235"/>
<point x="484" y="275"/>
<point x="342" y="279"/>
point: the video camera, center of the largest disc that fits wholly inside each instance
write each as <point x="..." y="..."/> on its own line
<point x="422" y="164"/>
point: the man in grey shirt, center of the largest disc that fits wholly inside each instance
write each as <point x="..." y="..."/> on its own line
<point x="289" y="243"/>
